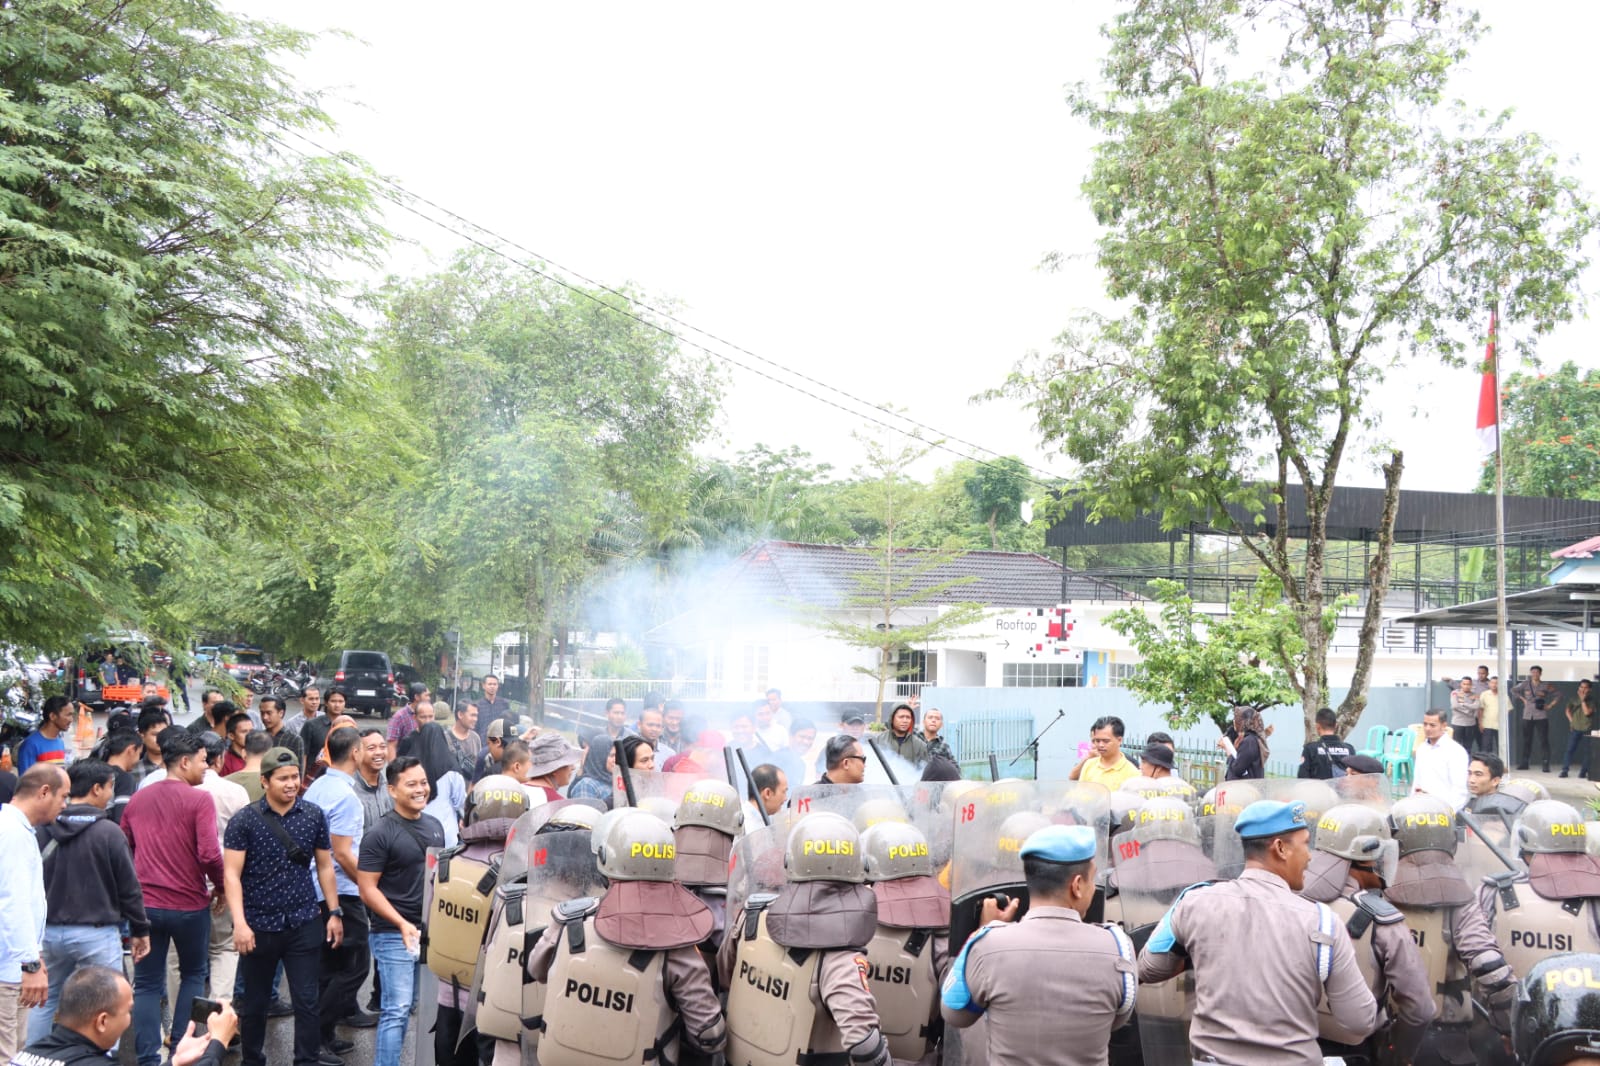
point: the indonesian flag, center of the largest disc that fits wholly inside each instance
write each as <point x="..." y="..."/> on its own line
<point x="1488" y="394"/>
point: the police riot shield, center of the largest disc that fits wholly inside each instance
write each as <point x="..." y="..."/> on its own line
<point x="657" y="792"/>
<point x="757" y="864"/>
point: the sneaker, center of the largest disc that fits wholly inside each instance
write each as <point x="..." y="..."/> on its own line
<point x="279" y="1009"/>
<point x="338" y="1046"/>
<point x="1562" y="774"/>
<point x="328" y="1058"/>
<point x="361" y="1020"/>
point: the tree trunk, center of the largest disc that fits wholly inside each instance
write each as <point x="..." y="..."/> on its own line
<point x="1355" y="701"/>
<point x="994" y="538"/>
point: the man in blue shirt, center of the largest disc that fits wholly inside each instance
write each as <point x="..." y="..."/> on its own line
<point x="267" y="857"/>
<point x="344" y="968"/>
<point x="45" y="744"/>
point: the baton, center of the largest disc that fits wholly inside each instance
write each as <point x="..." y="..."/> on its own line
<point x="761" y="808"/>
<point x="873" y="744"/>
<point x="627" y="777"/>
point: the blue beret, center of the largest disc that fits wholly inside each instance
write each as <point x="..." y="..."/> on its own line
<point x="1266" y="818"/>
<point x="1061" y="843"/>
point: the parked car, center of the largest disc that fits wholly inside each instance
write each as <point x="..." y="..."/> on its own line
<point x="244" y="663"/>
<point x="367" y="679"/>
<point x="404" y="677"/>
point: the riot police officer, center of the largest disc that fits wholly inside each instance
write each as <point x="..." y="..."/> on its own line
<point x="630" y="955"/>
<point x="1059" y="1012"/>
<point x="1558" y="1013"/>
<point x="1255" y="933"/>
<point x="908" y="957"/>
<point x="704" y="826"/>
<point x="1346" y="873"/>
<point x="1450" y="928"/>
<point x="794" y="961"/>
<point x="1551" y="907"/>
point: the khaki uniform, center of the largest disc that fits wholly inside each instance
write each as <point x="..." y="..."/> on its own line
<point x="1256" y="948"/>
<point x="1052" y="987"/>
<point x="1395" y="972"/>
<point x="1530" y="927"/>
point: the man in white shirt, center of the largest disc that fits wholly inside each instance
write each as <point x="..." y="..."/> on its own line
<point x="40" y="796"/>
<point x="1441" y="769"/>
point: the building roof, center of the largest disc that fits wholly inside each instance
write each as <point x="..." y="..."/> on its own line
<point x="831" y="575"/>
<point x="1584" y="549"/>
<point x="1551" y="607"/>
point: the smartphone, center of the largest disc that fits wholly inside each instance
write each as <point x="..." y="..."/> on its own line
<point x="202" y="1011"/>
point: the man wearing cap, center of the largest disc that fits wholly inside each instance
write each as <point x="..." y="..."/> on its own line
<point x="1156" y="762"/>
<point x="1254" y="933"/>
<point x="268" y="855"/>
<point x="491" y="758"/>
<point x="998" y="973"/>
<point x="551" y="762"/>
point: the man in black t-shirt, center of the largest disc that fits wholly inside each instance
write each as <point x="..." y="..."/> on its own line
<point x="390" y="873"/>
<point x="1324" y="757"/>
<point x="122" y="751"/>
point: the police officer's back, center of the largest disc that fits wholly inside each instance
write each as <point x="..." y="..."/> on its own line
<point x="1353" y="843"/>
<point x="1052" y="986"/>
<point x="708" y="819"/>
<point x="624" y="977"/>
<point x="1263" y="957"/>
<point x="794" y="962"/>
<point x="910" y="954"/>
<point x="1552" y="906"/>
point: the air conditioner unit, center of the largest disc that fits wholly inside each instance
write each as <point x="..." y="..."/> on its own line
<point x="1549" y="641"/>
<point x="1396" y="638"/>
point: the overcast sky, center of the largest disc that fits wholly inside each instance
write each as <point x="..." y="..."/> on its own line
<point x="862" y="192"/>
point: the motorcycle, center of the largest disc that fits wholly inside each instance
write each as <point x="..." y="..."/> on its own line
<point x="19" y="715"/>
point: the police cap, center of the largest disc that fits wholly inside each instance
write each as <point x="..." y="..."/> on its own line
<point x="1269" y="818"/>
<point x="1060" y="843"/>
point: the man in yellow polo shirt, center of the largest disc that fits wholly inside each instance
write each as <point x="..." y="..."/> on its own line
<point x="1107" y="766"/>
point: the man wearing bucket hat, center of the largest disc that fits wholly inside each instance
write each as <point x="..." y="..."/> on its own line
<point x="552" y="761"/>
<point x="1157" y="762"/>
<point x="1064" y="1019"/>
<point x="1254" y="932"/>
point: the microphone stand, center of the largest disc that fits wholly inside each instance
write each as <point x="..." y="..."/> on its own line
<point x="1033" y="745"/>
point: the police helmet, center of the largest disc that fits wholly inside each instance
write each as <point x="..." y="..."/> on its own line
<point x="659" y="806"/>
<point x="892" y="850"/>
<point x="1229" y="798"/>
<point x="873" y="811"/>
<point x="597" y="834"/>
<point x="1143" y="786"/>
<point x="638" y="847"/>
<point x="713" y="804"/>
<point x="1176" y="786"/>
<point x="1352" y="831"/>
<point x="1558" y="1013"/>
<point x="1165" y="818"/>
<point x="1525" y="789"/>
<point x="1014" y="831"/>
<point x="1317" y="797"/>
<point x="1423" y="823"/>
<point x="1549" y="827"/>
<point x="824" y="847"/>
<point x="575" y="814"/>
<point x="496" y="796"/>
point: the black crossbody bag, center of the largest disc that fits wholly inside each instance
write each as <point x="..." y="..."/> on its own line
<point x="295" y="852"/>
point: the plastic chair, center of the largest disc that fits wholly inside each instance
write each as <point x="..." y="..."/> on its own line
<point x="1401" y="756"/>
<point x="1377" y="739"/>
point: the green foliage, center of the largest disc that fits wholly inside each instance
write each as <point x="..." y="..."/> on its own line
<point x="169" y="316"/>
<point x="997" y="491"/>
<point x="1277" y="240"/>
<point x="893" y="607"/>
<point x="1550" y="432"/>
<point x="626" y="662"/>
<point x="1203" y="665"/>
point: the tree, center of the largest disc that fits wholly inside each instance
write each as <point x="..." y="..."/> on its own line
<point x="1276" y="242"/>
<point x="1550" y="433"/>
<point x="169" y="309"/>
<point x="998" y="490"/>
<point x="1203" y="665"/>
<point x="894" y="606"/>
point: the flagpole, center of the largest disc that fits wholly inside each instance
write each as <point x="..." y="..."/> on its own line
<point x="1500" y="543"/>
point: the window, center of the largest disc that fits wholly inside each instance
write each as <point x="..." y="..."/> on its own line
<point x="1042" y="675"/>
<point x="1119" y="674"/>
<point x="755" y="668"/>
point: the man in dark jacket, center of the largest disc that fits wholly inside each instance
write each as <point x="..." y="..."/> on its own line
<point x="89" y="887"/>
<point x="97" y="1008"/>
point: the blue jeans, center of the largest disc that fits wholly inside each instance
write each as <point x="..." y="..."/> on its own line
<point x="188" y="933"/>
<point x="398" y="971"/>
<point x="66" y="947"/>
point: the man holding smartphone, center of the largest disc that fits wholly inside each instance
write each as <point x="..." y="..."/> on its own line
<point x="267" y="858"/>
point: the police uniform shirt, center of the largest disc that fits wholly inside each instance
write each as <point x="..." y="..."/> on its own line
<point x="1402" y="980"/>
<point x="1050" y="989"/>
<point x="1257" y="988"/>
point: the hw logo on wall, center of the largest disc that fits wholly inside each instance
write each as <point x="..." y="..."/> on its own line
<point x="1056" y="636"/>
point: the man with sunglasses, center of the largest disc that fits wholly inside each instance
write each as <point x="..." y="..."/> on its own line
<point x="845" y="759"/>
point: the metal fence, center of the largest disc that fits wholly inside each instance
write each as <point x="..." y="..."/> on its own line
<point x="1004" y="736"/>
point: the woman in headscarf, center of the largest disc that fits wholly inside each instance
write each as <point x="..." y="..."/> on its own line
<point x="599" y="764"/>
<point x="446" y="787"/>
<point x="1250" y="750"/>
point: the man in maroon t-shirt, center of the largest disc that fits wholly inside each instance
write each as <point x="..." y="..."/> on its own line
<point x="172" y="828"/>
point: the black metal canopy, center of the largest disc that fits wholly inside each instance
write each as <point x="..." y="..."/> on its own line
<point x="1424" y="517"/>
<point x="1573" y="607"/>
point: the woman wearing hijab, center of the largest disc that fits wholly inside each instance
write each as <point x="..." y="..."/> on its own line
<point x="446" y="787"/>
<point x="1250" y="750"/>
<point x="599" y="764"/>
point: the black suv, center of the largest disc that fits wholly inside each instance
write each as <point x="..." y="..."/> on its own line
<point x="367" y="680"/>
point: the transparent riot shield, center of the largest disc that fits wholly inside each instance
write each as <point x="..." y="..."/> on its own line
<point x="657" y="792"/>
<point x="990" y="824"/>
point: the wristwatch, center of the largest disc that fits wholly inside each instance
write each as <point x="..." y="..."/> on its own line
<point x="336" y="912"/>
<point x="32" y="967"/>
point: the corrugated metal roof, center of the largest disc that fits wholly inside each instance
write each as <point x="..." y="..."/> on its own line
<point x="1354" y="514"/>
<point x="1584" y="549"/>
<point x="831" y="575"/>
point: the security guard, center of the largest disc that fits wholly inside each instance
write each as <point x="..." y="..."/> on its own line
<point x="1558" y="1013"/>
<point x="1449" y="926"/>
<point x="624" y="980"/>
<point x="908" y="957"/>
<point x="1352" y="843"/>
<point x="461" y="896"/>
<point x="1052" y="987"/>
<point x="1551" y="908"/>
<point x="1263" y="957"/>
<point x="794" y="961"/>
